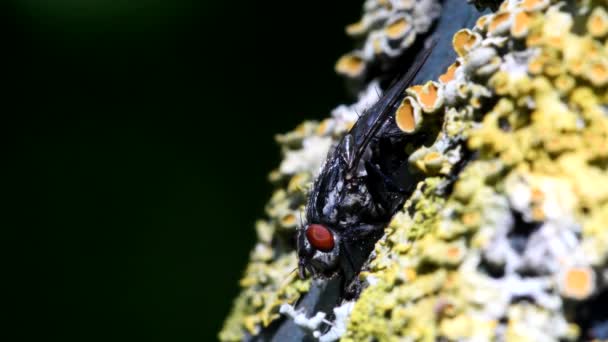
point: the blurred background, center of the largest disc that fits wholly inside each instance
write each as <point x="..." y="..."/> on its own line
<point x="139" y="136"/>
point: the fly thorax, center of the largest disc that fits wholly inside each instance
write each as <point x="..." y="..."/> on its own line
<point x="357" y="200"/>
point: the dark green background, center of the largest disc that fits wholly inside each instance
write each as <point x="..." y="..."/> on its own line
<point x="138" y="139"/>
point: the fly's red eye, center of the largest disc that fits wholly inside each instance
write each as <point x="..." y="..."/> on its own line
<point x="320" y="237"/>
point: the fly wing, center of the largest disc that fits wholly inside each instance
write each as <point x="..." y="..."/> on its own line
<point x="355" y="143"/>
<point x="343" y="162"/>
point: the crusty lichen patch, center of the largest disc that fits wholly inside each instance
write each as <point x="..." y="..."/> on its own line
<point x="528" y="217"/>
<point x="513" y="248"/>
<point x="387" y="29"/>
<point x="408" y="116"/>
<point x="270" y="279"/>
<point x="266" y="286"/>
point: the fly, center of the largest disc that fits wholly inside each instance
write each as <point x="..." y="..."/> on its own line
<point x="363" y="183"/>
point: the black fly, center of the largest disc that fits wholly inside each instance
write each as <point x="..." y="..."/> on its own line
<point x="363" y="183"/>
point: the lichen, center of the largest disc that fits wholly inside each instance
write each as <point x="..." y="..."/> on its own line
<point x="520" y="243"/>
<point x="506" y="236"/>
<point x="386" y="30"/>
<point x="270" y="279"/>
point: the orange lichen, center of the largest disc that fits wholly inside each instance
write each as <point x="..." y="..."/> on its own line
<point x="427" y="95"/>
<point x="350" y="65"/>
<point x="578" y="282"/>
<point x="471" y="218"/>
<point x="295" y="183"/>
<point x="564" y="83"/>
<point x="481" y="23"/>
<point x="451" y="280"/>
<point x="556" y="28"/>
<point x="410" y="274"/>
<point x="597" y="72"/>
<point x="300" y="129"/>
<point x="464" y="40"/>
<point x="449" y="73"/>
<point x="431" y="157"/>
<point x="431" y="162"/>
<point x="537" y="194"/>
<point x="575" y="66"/>
<point x="534" y="39"/>
<point x="405" y="116"/>
<point x="377" y="45"/>
<point x="597" y="24"/>
<point x="532" y="5"/>
<point x="350" y="125"/>
<point x="475" y="102"/>
<point x="594" y="48"/>
<point x="503" y="6"/>
<point x="454" y="252"/>
<point x="355" y="29"/>
<point x="323" y="127"/>
<point x="521" y="24"/>
<point x="386" y="4"/>
<point x="397" y="29"/>
<point x="538" y="214"/>
<point x="499" y="21"/>
<point x="289" y="220"/>
<point x="536" y="64"/>
<point x="554" y="68"/>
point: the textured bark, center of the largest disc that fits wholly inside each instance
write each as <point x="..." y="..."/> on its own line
<point x="506" y="236"/>
<point x="324" y="296"/>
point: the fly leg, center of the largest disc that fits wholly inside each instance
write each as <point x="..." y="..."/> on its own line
<point x="352" y="290"/>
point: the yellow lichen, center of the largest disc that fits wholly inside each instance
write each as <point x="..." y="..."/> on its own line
<point x="597" y="23"/>
<point x="481" y="23"/>
<point x="449" y="73"/>
<point x="499" y="22"/>
<point x="533" y="5"/>
<point x="597" y="72"/>
<point x="546" y="139"/>
<point x="350" y="65"/>
<point x="540" y="146"/>
<point x="356" y="28"/>
<point x="464" y="40"/>
<point x="521" y="24"/>
<point x="578" y="282"/>
<point x="397" y="29"/>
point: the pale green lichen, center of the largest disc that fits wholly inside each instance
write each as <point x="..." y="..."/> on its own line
<point x="526" y="218"/>
<point x="542" y="153"/>
<point x="270" y="279"/>
<point x="267" y="284"/>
